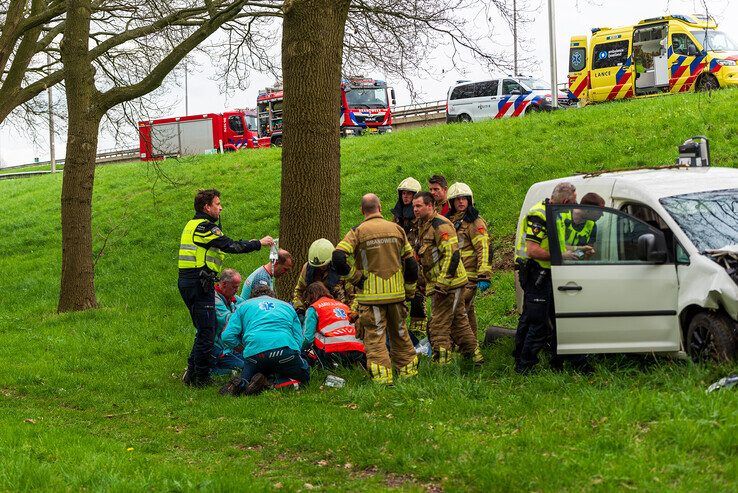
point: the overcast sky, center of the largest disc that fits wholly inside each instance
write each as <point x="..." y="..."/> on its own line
<point x="572" y="17"/>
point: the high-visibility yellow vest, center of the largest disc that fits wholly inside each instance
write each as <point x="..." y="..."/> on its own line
<point x="539" y="210"/>
<point x="193" y="256"/>
<point x="576" y="237"/>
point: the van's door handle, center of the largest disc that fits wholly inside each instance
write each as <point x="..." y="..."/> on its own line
<point x="570" y="288"/>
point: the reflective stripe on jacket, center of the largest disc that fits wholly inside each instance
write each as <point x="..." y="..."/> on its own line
<point x="378" y="247"/>
<point x="194" y="256"/>
<point x="334" y="332"/>
<point x="474" y="247"/>
<point x="438" y="250"/>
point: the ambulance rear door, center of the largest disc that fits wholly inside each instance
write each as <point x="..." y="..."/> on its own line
<point x="578" y="69"/>
<point x="612" y="71"/>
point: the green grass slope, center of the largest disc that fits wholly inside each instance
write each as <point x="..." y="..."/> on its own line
<point x="93" y="400"/>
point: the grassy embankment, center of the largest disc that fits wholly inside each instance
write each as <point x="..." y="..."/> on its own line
<point x="93" y="400"/>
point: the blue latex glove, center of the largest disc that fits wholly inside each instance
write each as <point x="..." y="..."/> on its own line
<point x="483" y="286"/>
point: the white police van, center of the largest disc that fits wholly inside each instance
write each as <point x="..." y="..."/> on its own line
<point x="498" y="98"/>
<point x="664" y="276"/>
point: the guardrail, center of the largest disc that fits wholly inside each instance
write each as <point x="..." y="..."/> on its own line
<point x="104" y="156"/>
<point x="419" y="114"/>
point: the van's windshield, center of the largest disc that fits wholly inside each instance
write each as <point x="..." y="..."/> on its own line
<point x="536" y="84"/>
<point x="709" y="219"/>
<point x="715" y="40"/>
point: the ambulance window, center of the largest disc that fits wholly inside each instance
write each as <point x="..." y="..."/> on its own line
<point x="509" y="85"/>
<point x="683" y="45"/>
<point x="485" y="89"/>
<point x="577" y="59"/>
<point x="463" y="92"/>
<point x="610" y="54"/>
<point x="236" y="124"/>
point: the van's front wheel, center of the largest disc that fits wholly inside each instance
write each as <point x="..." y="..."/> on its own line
<point x="710" y="337"/>
<point x="707" y="83"/>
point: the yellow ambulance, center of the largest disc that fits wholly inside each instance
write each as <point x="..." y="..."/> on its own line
<point x="674" y="53"/>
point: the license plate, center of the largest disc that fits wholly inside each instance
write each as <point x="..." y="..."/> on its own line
<point x="373" y="130"/>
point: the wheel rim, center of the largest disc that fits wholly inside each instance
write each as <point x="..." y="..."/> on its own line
<point x="702" y="344"/>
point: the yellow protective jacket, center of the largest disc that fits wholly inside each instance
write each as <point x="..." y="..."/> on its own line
<point x="339" y="288"/>
<point x="438" y="251"/>
<point x="379" y="248"/>
<point x="474" y="245"/>
<point x="202" y="246"/>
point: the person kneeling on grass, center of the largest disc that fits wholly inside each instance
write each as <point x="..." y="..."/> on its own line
<point x="328" y="331"/>
<point x="226" y="303"/>
<point x="271" y="335"/>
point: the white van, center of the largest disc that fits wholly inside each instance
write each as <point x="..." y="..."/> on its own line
<point x="498" y="98"/>
<point x="664" y="277"/>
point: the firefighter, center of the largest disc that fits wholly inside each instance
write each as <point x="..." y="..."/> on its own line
<point x="266" y="274"/>
<point x="474" y="245"/>
<point x="402" y="213"/>
<point x="319" y="268"/>
<point x="438" y="188"/>
<point x="445" y="277"/>
<point x="533" y="261"/>
<point x="226" y="302"/>
<point x="201" y="252"/>
<point x="329" y="333"/>
<point x="385" y="274"/>
<point x="404" y="216"/>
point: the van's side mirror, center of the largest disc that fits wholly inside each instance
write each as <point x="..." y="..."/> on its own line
<point x="516" y="92"/>
<point x="392" y="96"/>
<point x="692" y="50"/>
<point x="648" y="250"/>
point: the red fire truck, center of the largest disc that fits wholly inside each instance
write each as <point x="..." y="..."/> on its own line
<point x="197" y="134"/>
<point x="365" y="107"/>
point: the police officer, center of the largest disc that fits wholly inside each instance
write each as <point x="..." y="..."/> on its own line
<point x="201" y="252"/>
<point x="533" y="261"/>
<point x="385" y="274"/>
<point x="473" y="245"/>
<point x="445" y="277"/>
<point x="580" y="228"/>
<point x="403" y="215"/>
<point x="319" y="268"/>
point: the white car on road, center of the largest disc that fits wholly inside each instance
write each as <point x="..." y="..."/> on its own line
<point x="664" y="276"/>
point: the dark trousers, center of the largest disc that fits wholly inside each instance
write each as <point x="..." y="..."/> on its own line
<point x="536" y="324"/>
<point x="282" y="364"/>
<point x="199" y="296"/>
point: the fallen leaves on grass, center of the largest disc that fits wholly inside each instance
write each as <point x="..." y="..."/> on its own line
<point x="30" y="421"/>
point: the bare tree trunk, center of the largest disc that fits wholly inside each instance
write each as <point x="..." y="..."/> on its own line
<point x="312" y="50"/>
<point x="77" y="280"/>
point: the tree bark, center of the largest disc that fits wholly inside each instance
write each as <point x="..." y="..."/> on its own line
<point x="77" y="280"/>
<point x="312" y="52"/>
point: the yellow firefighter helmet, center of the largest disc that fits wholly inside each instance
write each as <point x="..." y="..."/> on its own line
<point x="320" y="252"/>
<point x="459" y="189"/>
<point x="409" y="184"/>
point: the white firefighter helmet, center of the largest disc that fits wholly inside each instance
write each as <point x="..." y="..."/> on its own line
<point x="320" y="252"/>
<point x="459" y="189"/>
<point x="409" y="184"/>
